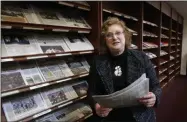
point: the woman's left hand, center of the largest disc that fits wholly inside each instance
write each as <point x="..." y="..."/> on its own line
<point x="148" y="100"/>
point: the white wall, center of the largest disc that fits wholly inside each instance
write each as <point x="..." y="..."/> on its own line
<point x="184" y="49"/>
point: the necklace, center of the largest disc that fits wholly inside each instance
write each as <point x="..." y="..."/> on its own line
<point x="118" y="71"/>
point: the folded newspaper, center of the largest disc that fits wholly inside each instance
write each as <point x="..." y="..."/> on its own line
<point x="126" y="97"/>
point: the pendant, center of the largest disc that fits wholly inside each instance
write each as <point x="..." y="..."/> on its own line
<point x="117" y="71"/>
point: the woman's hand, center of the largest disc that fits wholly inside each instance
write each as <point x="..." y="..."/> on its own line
<point x="102" y="111"/>
<point x="148" y="100"/>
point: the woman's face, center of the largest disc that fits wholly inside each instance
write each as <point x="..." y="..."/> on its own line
<point x="115" y="38"/>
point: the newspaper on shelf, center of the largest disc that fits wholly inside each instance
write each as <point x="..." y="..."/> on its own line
<point x="126" y="97"/>
<point x="17" y="108"/>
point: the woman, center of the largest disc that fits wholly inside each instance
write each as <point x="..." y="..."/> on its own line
<point x="116" y="70"/>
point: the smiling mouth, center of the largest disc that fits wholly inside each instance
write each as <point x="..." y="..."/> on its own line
<point x="114" y="43"/>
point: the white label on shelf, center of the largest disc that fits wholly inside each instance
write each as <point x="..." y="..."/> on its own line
<point x="107" y="11"/>
<point x="42" y="113"/>
<point x="6" y="26"/>
<point x="165" y="77"/>
<point x="35" y="87"/>
<point x="60" y="106"/>
<point x="7" y="59"/>
<point x="83" y="31"/>
<point x="83" y="8"/>
<point x="126" y="16"/>
<point x="59" y="81"/>
<point x="165" y="84"/>
<point x="45" y="84"/>
<point x="85" y="52"/>
<point x="39" y="86"/>
<point x="83" y="97"/>
<point x="135" y="34"/>
<point x="63" y="54"/>
<point x="35" y="57"/>
<point x="60" y="30"/>
<point x="82" y="75"/>
<point x="88" y="116"/>
<point x="118" y="14"/>
<point x="32" y="28"/>
<point x="67" y="4"/>
<point x="135" y="19"/>
<point x="9" y="93"/>
<point x="172" y="78"/>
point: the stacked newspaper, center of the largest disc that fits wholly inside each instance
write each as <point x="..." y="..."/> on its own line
<point x="126" y="97"/>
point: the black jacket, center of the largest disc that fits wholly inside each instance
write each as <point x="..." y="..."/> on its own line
<point x="100" y="81"/>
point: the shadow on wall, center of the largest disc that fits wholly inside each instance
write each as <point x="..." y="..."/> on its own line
<point x="186" y="63"/>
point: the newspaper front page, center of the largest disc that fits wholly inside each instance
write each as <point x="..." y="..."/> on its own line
<point x="126" y="97"/>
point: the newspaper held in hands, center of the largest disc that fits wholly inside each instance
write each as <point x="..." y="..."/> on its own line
<point x="126" y="97"/>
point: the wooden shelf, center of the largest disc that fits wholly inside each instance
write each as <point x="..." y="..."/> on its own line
<point x="164" y="28"/>
<point x="164" y="85"/>
<point x="171" y="78"/>
<point x="149" y="23"/>
<point x="173" y="31"/>
<point x="145" y="35"/>
<point x="162" y="78"/>
<point x="170" y="72"/>
<point x="40" y="85"/>
<point x="177" y="68"/>
<point x="164" y="55"/>
<point x="85" y="117"/>
<point x="162" y="71"/>
<point x="145" y="48"/>
<point x="164" y="46"/>
<point x="175" y="74"/>
<point x="120" y="14"/>
<point x="178" y="72"/>
<point x="172" y="59"/>
<point x="148" y="34"/>
<point x="171" y="65"/>
<point x="42" y="27"/>
<point x="46" y="55"/>
<point x="163" y="62"/>
<point x="163" y="36"/>
<point x="75" y="4"/>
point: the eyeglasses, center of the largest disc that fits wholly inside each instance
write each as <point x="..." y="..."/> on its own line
<point x="110" y="35"/>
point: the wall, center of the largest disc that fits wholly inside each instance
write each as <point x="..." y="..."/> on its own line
<point x="184" y="49"/>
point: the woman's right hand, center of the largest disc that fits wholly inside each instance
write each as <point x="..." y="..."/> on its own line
<point x="102" y="111"/>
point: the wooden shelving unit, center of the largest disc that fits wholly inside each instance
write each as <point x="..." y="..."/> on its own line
<point x="40" y="85"/>
<point x="153" y="24"/>
<point x="42" y="27"/>
<point x="76" y="4"/>
<point x="149" y="22"/>
<point x="46" y="55"/>
<point x="17" y="92"/>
